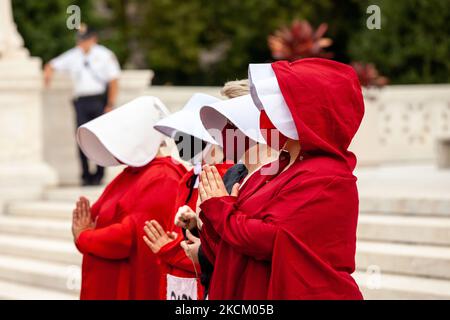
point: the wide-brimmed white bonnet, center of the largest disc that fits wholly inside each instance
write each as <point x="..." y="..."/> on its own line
<point x="187" y="120"/>
<point x="241" y="111"/>
<point x="124" y="135"/>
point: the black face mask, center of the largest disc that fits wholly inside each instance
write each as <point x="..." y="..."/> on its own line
<point x="188" y="146"/>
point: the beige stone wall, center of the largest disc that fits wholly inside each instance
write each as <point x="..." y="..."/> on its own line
<point x="402" y="124"/>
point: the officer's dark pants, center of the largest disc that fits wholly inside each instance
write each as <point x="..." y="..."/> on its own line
<point x="87" y="109"/>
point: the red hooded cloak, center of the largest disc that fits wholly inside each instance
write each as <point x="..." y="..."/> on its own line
<point x="295" y="237"/>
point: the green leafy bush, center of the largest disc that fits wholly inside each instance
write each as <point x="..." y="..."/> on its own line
<point x="203" y="42"/>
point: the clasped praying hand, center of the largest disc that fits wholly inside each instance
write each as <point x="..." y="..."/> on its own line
<point x="211" y="185"/>
<point x="81" y="218"/>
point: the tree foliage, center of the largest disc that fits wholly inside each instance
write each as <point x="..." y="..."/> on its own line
<point x="204" y="42"/>
<point x="413" y="44"/>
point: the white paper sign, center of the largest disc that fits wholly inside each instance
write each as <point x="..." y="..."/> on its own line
<point x="181" y="288"/>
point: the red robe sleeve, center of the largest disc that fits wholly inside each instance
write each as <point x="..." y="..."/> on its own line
<point x="174" y="255"/>
<point x="111" y="242"/>
<point x="116" y="240"/>
<point x="253" y="237"/>
<point x="209" y="240"/>
<point x="306" y="231"/>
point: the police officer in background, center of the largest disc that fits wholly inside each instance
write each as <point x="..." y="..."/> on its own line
<point x="95" y="71"/>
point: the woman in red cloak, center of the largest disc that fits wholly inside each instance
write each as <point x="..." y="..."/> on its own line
<point x="292" y="235"/>
<point x="179" y="274"/>
<point x="188" y="122"/>
<point x="116" y="262"/>
<point x="196" y="146"/>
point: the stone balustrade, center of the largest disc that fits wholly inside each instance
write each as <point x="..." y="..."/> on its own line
<point x="403" y="123"/>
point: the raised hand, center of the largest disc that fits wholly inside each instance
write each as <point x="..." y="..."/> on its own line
<point x="191" y="246"/>
<point x="81" y="218"/>
<point x="211" y="184"/>
<point x="186" y="218"/>
<point x="156" y="237"/>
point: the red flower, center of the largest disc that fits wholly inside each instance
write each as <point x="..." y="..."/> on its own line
<point x="299" y="41"/>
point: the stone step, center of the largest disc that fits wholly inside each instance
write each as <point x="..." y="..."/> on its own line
<point x="41" y="274"/>
<point x="400" y="287"/>
<point x="71" y="194"/>
<point x="41" y="209"/>
<point x="40" y="228"/>
<point x="16" y="291"/>
<point x="40" y="249"/>
<point x="386" y="202"/>
<point x="406" y="259"/>
<point x="406" y="229"/>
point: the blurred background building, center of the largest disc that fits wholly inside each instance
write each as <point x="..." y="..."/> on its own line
<point x="172" y="49"/>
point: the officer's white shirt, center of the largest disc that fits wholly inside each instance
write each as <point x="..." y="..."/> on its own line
<point x="90" y="72"/>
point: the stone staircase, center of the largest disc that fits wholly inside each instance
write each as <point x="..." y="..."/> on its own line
<point x="403" y="249"/>
<point x="38" y="259"/>
<point x="403" y="253"/>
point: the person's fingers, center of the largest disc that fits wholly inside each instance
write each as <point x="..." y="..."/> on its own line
<point x="86" y="204"/>
<point x="178" y="220"/>
<point x="154" y="231"/>
<point x="180" y="223"/>
<point x="150" y="244"/>
<point x="185" y="247"/>
<point x="83" y="205"/>
<point x="217" y="178"/>
<point x="85" y="213"/>
<point x="205" y="182"/>
<point x="235" y="190"/>
<point x="211" y="178"/>
<point x="149" y="234"/>
<point x="201" y="190"/>
<point x="78" y="206"/>
<point x="202" y="193"/>
<point x="158" y="227"/>
<point x="172" y="235"/>
<point x="74" y="216"/>
<point x="80" y="211"/>
<point x="187" y="215"/>
<point x="191" y="237"/>
<point x="182" y="210"/>
<point x="185" y="209"/>
<point x="86" y="200"/>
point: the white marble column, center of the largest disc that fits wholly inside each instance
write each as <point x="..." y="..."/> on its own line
<point x="23" y="173"/>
